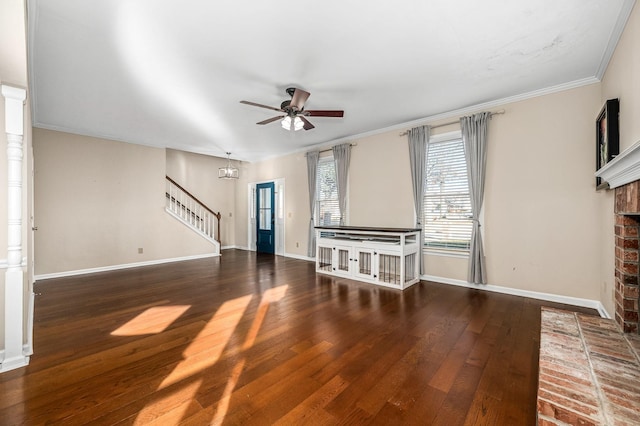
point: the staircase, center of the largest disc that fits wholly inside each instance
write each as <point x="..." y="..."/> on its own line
<point x="193" y="213"/>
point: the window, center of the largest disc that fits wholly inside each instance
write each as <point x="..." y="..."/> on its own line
<point x="327" y="208"/>
<point x="447" y="206"/>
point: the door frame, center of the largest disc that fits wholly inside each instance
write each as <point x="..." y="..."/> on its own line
<point x="279" y="205"/>
<point x="266" y="225"/>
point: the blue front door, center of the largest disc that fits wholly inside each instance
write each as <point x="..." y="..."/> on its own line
<point x="265" y="235"/>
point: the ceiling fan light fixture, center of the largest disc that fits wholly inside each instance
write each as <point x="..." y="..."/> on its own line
<point x="291" y="121"/>
<point x="295" y="124"/>
<point x="228" y="172"/>
<point x="286" y="123"/>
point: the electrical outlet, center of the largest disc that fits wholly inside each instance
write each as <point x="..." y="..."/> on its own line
<point x="140" y="250"/>
<point x="297" y="244"/>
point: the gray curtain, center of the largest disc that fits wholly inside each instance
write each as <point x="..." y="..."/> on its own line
<point x="474" y="136"/>
<point x="312" y="174"/>
<point x="342" y="157"/>
<point x="418" y="138"/>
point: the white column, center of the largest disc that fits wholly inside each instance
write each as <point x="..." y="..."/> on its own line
<point x="14" y="277"/>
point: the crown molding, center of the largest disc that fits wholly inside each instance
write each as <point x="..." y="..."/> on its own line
<point x="450" y="114"/>
<point x="614" y="37"/>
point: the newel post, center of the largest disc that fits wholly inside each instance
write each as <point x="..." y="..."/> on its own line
<point x="14" y="311"/>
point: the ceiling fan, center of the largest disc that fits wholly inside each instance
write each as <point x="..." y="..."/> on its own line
<point x="295" y="117"/>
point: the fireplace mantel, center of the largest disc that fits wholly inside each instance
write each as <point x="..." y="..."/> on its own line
<point x="623" y="169"/>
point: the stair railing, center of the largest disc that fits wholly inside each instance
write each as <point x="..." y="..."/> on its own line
<point x="193" y="212"/>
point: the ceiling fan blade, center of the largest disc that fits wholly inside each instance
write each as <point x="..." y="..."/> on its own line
<point x="299" y="98"/>
<point x="324" y="113"/>
<point x="307" y="123"/>
<point x="270" y="120"/>
<point x="260" y="105"/>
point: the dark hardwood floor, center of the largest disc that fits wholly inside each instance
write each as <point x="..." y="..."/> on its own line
<point x="258" y="339"/>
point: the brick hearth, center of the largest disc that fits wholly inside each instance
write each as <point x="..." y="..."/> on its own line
<point x="627" y="230"/>
<point x="589" y="371"/>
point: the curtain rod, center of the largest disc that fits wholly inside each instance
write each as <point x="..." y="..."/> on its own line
<point x="406" y="132"/>
<point x="331" y="149"/>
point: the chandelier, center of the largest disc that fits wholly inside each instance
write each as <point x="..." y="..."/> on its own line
<point x="228" y="172"/>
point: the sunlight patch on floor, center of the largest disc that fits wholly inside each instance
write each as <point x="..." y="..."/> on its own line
<point x="223" y="404"/>
<point x="203" y="352"/>
<point x="206" y="348"/>
<point x="271" y="295"/>
<point x="170" y="409"/>
<point x="152" y="321"/>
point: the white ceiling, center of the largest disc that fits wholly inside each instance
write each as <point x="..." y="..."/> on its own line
<point x="171" y="74"/>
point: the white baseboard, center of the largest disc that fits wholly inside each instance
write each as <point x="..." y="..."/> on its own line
<point x="235" y="247"/>
<point x="122" y="266"/>
<point x="575" y="301"/>
<point x="13" y="363"/>
<point x="291" y="255"/>
<point x="586" y="303"/>
<point x="300" y="257"/>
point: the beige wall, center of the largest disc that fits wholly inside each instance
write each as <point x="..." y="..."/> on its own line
<point x="541" y="219"/>
<point x="293" y="169"/>
<point x="13" y="43"/>
<point x="378" y="177"/>
<point x="541" y="208"/>
<point x="621" y="80"/>
<point x="98" y="201"/>
<point x="377" y="168"/>
<point x="198" y="174"/>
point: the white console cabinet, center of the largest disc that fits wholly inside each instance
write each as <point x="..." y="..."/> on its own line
<point x="382" y="256"/>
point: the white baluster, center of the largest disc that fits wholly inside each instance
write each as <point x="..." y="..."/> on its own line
<point x="177" y="202"/>
<point x="190" y="211"/>
<point x="182" y="204"/>
<point x="174" y="200"/>
<point x="174" y="203"/>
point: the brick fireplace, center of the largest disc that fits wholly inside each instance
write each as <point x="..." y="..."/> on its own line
<point x="623" y="174"/>
<point x="589" y="366"/>
<point x="627" y="231"/>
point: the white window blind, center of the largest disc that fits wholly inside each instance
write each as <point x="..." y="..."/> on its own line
<point x="447" y="206"/>
<point x="327" y="208"/>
